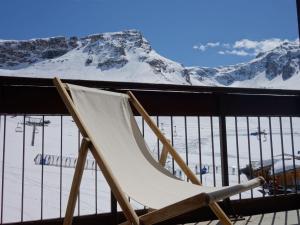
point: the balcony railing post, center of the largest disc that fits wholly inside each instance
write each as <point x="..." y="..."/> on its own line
<point x="224" y="154"/>
<point x="114" y="209"/>
<point x="223" y="142"/>
<point x="223" y="149"/>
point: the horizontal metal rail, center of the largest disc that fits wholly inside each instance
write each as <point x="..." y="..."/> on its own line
<point x="174" y="100"/>
<point x="114" y="85"/>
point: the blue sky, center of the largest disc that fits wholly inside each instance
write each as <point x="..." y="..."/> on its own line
<point x="192" y="32"/>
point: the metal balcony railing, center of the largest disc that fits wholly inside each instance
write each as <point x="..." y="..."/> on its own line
<point x="225" y="135"/>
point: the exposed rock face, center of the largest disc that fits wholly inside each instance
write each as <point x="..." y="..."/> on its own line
<point x="157" y="65"/>
<point x="112" y="63"/>
<point x="16" y="54"/>
<point x="106" y="54"/>
<point x="287" y="71"/>
<point x="186" y="75"/>
<point x="53" y="53"/>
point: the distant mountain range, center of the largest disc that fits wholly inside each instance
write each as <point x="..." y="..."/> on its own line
<point x="128" y="56"/>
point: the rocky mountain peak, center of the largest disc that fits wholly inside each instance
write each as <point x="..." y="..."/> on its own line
<point x="128" y="39"/>
<point x="109" y="50"/>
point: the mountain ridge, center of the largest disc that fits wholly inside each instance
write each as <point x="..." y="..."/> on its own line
<point x="128" y="56"/>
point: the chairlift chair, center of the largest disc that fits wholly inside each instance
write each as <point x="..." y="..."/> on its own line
<point x="19" y="129"/>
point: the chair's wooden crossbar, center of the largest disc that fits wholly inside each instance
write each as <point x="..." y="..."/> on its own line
<point x="163" y="156"/>
<point x="76" y="182"/>
<point x="176" y="209"/>
<point x="111" y="180"/>
<point x="167" y="145"/>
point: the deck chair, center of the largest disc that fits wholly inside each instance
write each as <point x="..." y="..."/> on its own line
<point x="110" y="131"/>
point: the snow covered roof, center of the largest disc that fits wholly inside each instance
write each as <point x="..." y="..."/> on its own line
<point x="268" y="162"/>
<point x="288" y="165"/>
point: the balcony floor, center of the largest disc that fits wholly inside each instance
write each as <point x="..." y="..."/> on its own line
<point x="279" y="218"/>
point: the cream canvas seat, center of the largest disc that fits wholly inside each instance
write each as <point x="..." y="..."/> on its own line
<point x="110" y="131"/>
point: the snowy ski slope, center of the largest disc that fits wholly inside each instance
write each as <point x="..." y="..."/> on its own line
<point x="45" y="189"/>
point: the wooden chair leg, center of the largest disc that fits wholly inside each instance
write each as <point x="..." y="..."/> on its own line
<point x="76" y="181"/>
<point x="220" y="214"/>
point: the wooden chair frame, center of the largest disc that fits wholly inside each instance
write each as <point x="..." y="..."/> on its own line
<point x="154" y="216"/>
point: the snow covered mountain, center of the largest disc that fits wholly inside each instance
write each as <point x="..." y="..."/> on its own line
<point x="128" y="56"/>
<point x="277" y="68"/>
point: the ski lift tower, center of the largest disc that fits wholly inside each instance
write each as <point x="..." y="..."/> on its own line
<point x="34" y="122"/>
